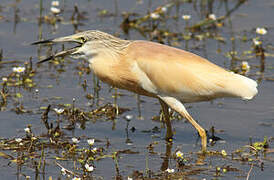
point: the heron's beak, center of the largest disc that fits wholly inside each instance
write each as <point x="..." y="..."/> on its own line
<point x="71" y="38"/>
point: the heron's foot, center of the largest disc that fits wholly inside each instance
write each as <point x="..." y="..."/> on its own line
<point x="203" y="135"/>
<point x="209" y="138"/>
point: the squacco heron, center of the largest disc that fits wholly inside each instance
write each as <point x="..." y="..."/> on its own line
<point x="171" y="75"/>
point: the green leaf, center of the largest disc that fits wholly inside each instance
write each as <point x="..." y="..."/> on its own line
<point x="19" y="95"/>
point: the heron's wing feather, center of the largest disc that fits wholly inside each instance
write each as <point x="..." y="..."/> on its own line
<point x="180" y="73"/>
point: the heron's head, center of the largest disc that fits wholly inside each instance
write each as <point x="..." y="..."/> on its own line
<point x="89" y="44"/>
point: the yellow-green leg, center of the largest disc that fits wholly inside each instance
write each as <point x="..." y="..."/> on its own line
<point x="179" y="107"/>
<point x="169" y="133"/>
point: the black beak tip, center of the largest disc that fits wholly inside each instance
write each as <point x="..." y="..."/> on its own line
<point x="45" y="60"/>
<point x="42" y="42"/>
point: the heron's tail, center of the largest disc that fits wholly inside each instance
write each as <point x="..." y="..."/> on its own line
<point x="244" y="87"/>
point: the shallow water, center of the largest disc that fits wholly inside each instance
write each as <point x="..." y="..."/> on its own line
<point x="239" y="120"/>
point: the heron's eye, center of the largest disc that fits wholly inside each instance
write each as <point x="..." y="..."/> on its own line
<point x="83" y="39"/>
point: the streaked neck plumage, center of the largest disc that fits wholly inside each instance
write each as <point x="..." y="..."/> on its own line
<point x="105" y="45"/>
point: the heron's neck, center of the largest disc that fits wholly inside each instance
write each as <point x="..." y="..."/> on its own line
<point x="102" y="55"/>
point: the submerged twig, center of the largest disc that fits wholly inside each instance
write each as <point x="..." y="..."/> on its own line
<point x="209" y="22"/>
<point x="248" y="174"/>
<point x="66" y="170"/>
<point x="1" y="54"/>
<point x="45" y="117"/>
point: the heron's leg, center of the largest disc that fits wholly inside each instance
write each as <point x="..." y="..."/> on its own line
<point x="169" y="132"/>
<point x="179" y="107"/>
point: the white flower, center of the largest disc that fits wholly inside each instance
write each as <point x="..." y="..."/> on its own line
<point x="4" y="79"/>
<point x="55" y="3"/>
<point x="76" y="178"/>
<point x="256" y="42"/>
<point x="164" y="9"/>
<point x="94" y="150"/>
<point x="18" y="140"/>
<point x="90" y="141"/>
<point x="58" y="111"/>
<point x="129" y="178"/>
<point x="75" y="140"/>
<point x="212" y="16"/>
<point x="186" y="17"/>
<point x="18" y="69"/>
<point x="224" y="152"/>
<point x="55" y="10"/>
<point x="245" y="67"/>
<point x="170" y="170"/>
<point x="27" y="130"/>
<point x="179" y="154"/>
<point x="129" y="117"/>
<point x="20" y="144"/>
<point x="261" y="31"/>
<point x="154" y="15"/>
<point x="89" y="168"/>
<point x="63" y="171"/>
